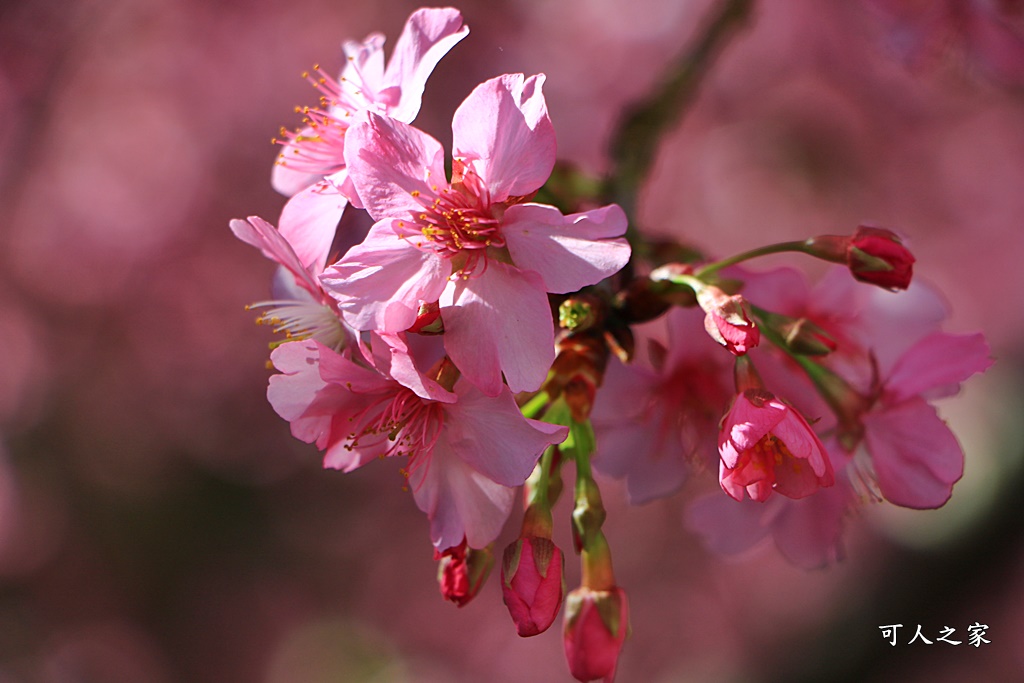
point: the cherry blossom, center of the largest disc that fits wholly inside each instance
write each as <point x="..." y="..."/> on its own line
<point x="472" y="245"/>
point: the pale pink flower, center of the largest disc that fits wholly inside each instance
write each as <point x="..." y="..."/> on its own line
<point x="466" y="450"/>
<point x="300" y="308"/>
<point x="915" y="457"/>
<point x="471" y="244"/>
<point x="766" y="446"/>
<point x="311" y="165"/>
<point x="657" y="418"/>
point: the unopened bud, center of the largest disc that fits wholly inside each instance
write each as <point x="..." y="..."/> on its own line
<point x="873" y="255"/>
<point x="533" y="583"/>
<point x="462" y="571"/>
<point x="729" y="320"/>
<point x="596" y="624"/>
<point x="428" y="320"/>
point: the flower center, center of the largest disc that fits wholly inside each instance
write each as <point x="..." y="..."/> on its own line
<point x="318" y="145"/>
<point x="402" y="423"/>
<point x="303" y="319"/>
<point x="456" y="221"/>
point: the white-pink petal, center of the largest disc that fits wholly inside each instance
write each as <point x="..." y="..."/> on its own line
<point x="569" y="252"/>
<point x="428" y="35"/>
<point x="309" y="220"/>
<point x="459" y="501"/>
<point x="389" y="163"/>
<point x="491" y="434"/>
<point x="499" y="322"/>
<point x="257" y="232"/>
<point x="380" y="283"/>
<point x="503" y="131"/>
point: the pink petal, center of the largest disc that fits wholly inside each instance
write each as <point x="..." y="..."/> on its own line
<point x="499" y="322"/>
<point x="309" y="219"/>
<point x="502" y="129"/>
<point x="936" y="365"/>
<point x="459" y="501"/>
<point x="746" y="424"/>
<point x="491" y="434"/>
<point x="728" y="527"/>
<point x="915" y="456"/>
<point x="388" y="161"/>
<point x="380" y="283"/>
<point x="289" y="181"/>
<point x="808" y="532"/>
<point x="265" y="237"/>
<point x="569" y="252"/>
<point x="428" y="35"/>
<point x="396" y="360"/>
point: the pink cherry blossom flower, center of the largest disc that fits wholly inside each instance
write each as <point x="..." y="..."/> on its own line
<point x="472" y="245"/>
<point x="301" y="309"/>
<point x="466" y="450"/>
<point x="656" y="419"/>
<point x="311" y="165"/>
<point x="914" y="456"/>
<point x="768" y="446"/>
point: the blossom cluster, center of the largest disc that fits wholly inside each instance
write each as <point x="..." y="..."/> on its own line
<point x="487" y="338"/>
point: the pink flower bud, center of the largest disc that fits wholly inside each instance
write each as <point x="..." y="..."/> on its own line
<point x="532" y="583"/>
<point x="728" y="320"/>
<point x="462" y="571"/>
<point x="877" y="256"/>
<point x="596" y="624"/>
<point x="428" y="320"/>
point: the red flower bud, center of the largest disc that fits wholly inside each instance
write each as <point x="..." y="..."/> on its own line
<point x="728" y="320"/>
<point x="532" y="583"/>
<point x="596" y="624"/>
<point x="877" y="256"/>
<point x="462" y="571"/>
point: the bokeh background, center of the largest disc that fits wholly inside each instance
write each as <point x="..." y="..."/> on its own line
<point x="159" y="524"/>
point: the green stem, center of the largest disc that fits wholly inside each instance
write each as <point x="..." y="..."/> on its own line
<point x="710" y="268"/>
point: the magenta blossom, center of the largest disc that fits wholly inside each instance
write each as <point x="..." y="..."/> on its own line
<point x="768" y="446"/>
<point x="466" y="450"/>
<point x="472" y="245"/>
<point x="729" y="321"/>
<point x="311" y="166"/>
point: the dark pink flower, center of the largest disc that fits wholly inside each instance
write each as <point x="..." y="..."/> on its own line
<point x="596" y="625"/>
<point x="532" y="583"/>
<point x="728" y="320"/>
<point x="471" y="244"/>
<point x="767" y="446"/>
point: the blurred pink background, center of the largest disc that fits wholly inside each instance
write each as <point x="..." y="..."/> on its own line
<point x="157" y="521"/>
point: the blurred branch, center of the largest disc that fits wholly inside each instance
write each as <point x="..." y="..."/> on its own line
<point x="635" y="143"/>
